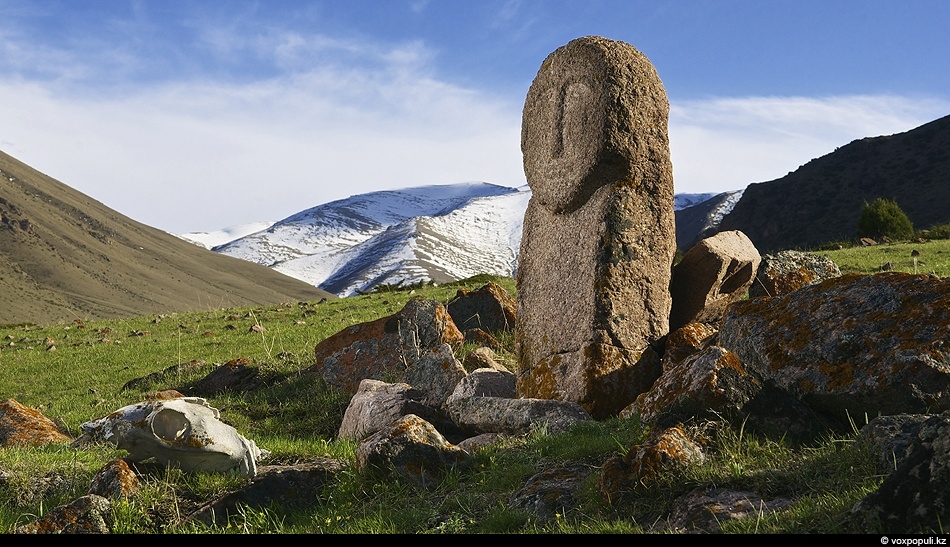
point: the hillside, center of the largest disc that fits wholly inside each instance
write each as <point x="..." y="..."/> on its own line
<point x="821" y="201"/>
<point x="65" y="256"/>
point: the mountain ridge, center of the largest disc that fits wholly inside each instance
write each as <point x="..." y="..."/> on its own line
<point x="821" y="201"/>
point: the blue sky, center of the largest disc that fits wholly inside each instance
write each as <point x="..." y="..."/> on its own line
<point x="198" y="115"/>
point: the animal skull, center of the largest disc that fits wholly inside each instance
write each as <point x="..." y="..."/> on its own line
<point x="185" y="431"/>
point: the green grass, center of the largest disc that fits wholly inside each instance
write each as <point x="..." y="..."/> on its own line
<point x="934" y="257"/>
<point x="296" y="418"/>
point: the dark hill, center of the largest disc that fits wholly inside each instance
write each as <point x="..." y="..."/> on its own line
<point x="65" y="256"/>
<point x="821" y="201"/>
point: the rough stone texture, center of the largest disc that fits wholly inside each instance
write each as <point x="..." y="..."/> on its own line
<point x="489" y="308"/>
<point x="475" y="415"/>
<point x="383" y="349"/>
<point x="115" y="480"/>
<point x="665" y="448"/>
<point x="787" y="271"/>
<point x="598" y="238"/>
<point x="24" y="426"/>
<point x="378" y="404"/>
<point x="890" y="436"/>
<point x="710" y="383"/>
<point x="476" y="443"/>
<point x="90" y="514"/>
<point x="716" y="272"/>
<point x="437" y="373"/>
<point x="483" y="358"/>
<point x="915" y="497"/>
<point x="292" y="487"/>
<point x="411" y="449"/>
<point x="685" y="341"/>
<point x="851" y="346"/>
<point x="485" y="382"/>
<point x="551" y="493"/>
<point x="705" y="511"/>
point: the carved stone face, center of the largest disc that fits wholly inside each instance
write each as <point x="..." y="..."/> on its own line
<point x="562" y="140"/>
<point x="563" y="127"/>
<point x="186" y="432"/>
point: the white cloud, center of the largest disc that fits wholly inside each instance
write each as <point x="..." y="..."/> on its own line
<point x="201" y="155"/>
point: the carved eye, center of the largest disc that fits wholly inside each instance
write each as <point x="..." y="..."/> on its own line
<point x="170" y="425"/>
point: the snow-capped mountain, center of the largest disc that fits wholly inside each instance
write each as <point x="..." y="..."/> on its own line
<point x="430" y="233"/>
<point x="438" y="233"/>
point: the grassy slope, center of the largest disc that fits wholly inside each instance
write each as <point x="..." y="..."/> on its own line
<point x="296" y="418"/>
<point x="65" y="256"/>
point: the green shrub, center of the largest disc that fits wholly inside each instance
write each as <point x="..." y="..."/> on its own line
<point x="884" y="218"/>
<point x="941" y="231"/>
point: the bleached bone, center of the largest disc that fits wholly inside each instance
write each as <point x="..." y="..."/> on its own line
<point x="186" y="432"/>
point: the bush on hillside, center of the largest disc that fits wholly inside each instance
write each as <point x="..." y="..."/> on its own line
<point x="884" y="218"/>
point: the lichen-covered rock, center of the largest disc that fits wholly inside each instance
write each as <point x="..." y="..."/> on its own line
<point x="787" y="271"/>
<point x="385" y="348"/>
<point x="716" y="272"/>
<point x="889" y="437"/>
<point x="915" y="497"/>
<point x="90" y="514"/>
<point x="24" y="426"/>
<point x="685" y="341"/>
<point x="483" y="358"/>
<point x="551" y="493"/>
<point x="709" y="384"/>
<point x="852" y="345"/>
<point x="705" y="511"/>
<point x="411" y="449"/>
<point x="598" y="238"/>
<point x="489" y="308"/>
<point x="437" y="372"/>
<point x="664" y="449"/>
<point x="115" y="480"/>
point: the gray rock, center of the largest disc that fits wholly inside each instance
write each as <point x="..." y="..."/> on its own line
<point x="292" y="487"/>
<point x="436" y="373"/>
<point x="385" y="348"/>
<point x="485" y="382"/>
<point x="716" y="272"/>
<point x="514" y="416"/>
<point x="915" y="497"/>
<point x="787" y="271"/>
<point x="378" y="404"/>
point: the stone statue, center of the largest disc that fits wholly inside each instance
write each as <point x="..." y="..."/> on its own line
<point x="599" y="238"/>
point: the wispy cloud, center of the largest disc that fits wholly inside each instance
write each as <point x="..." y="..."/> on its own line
<point x="724" y="144"/>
